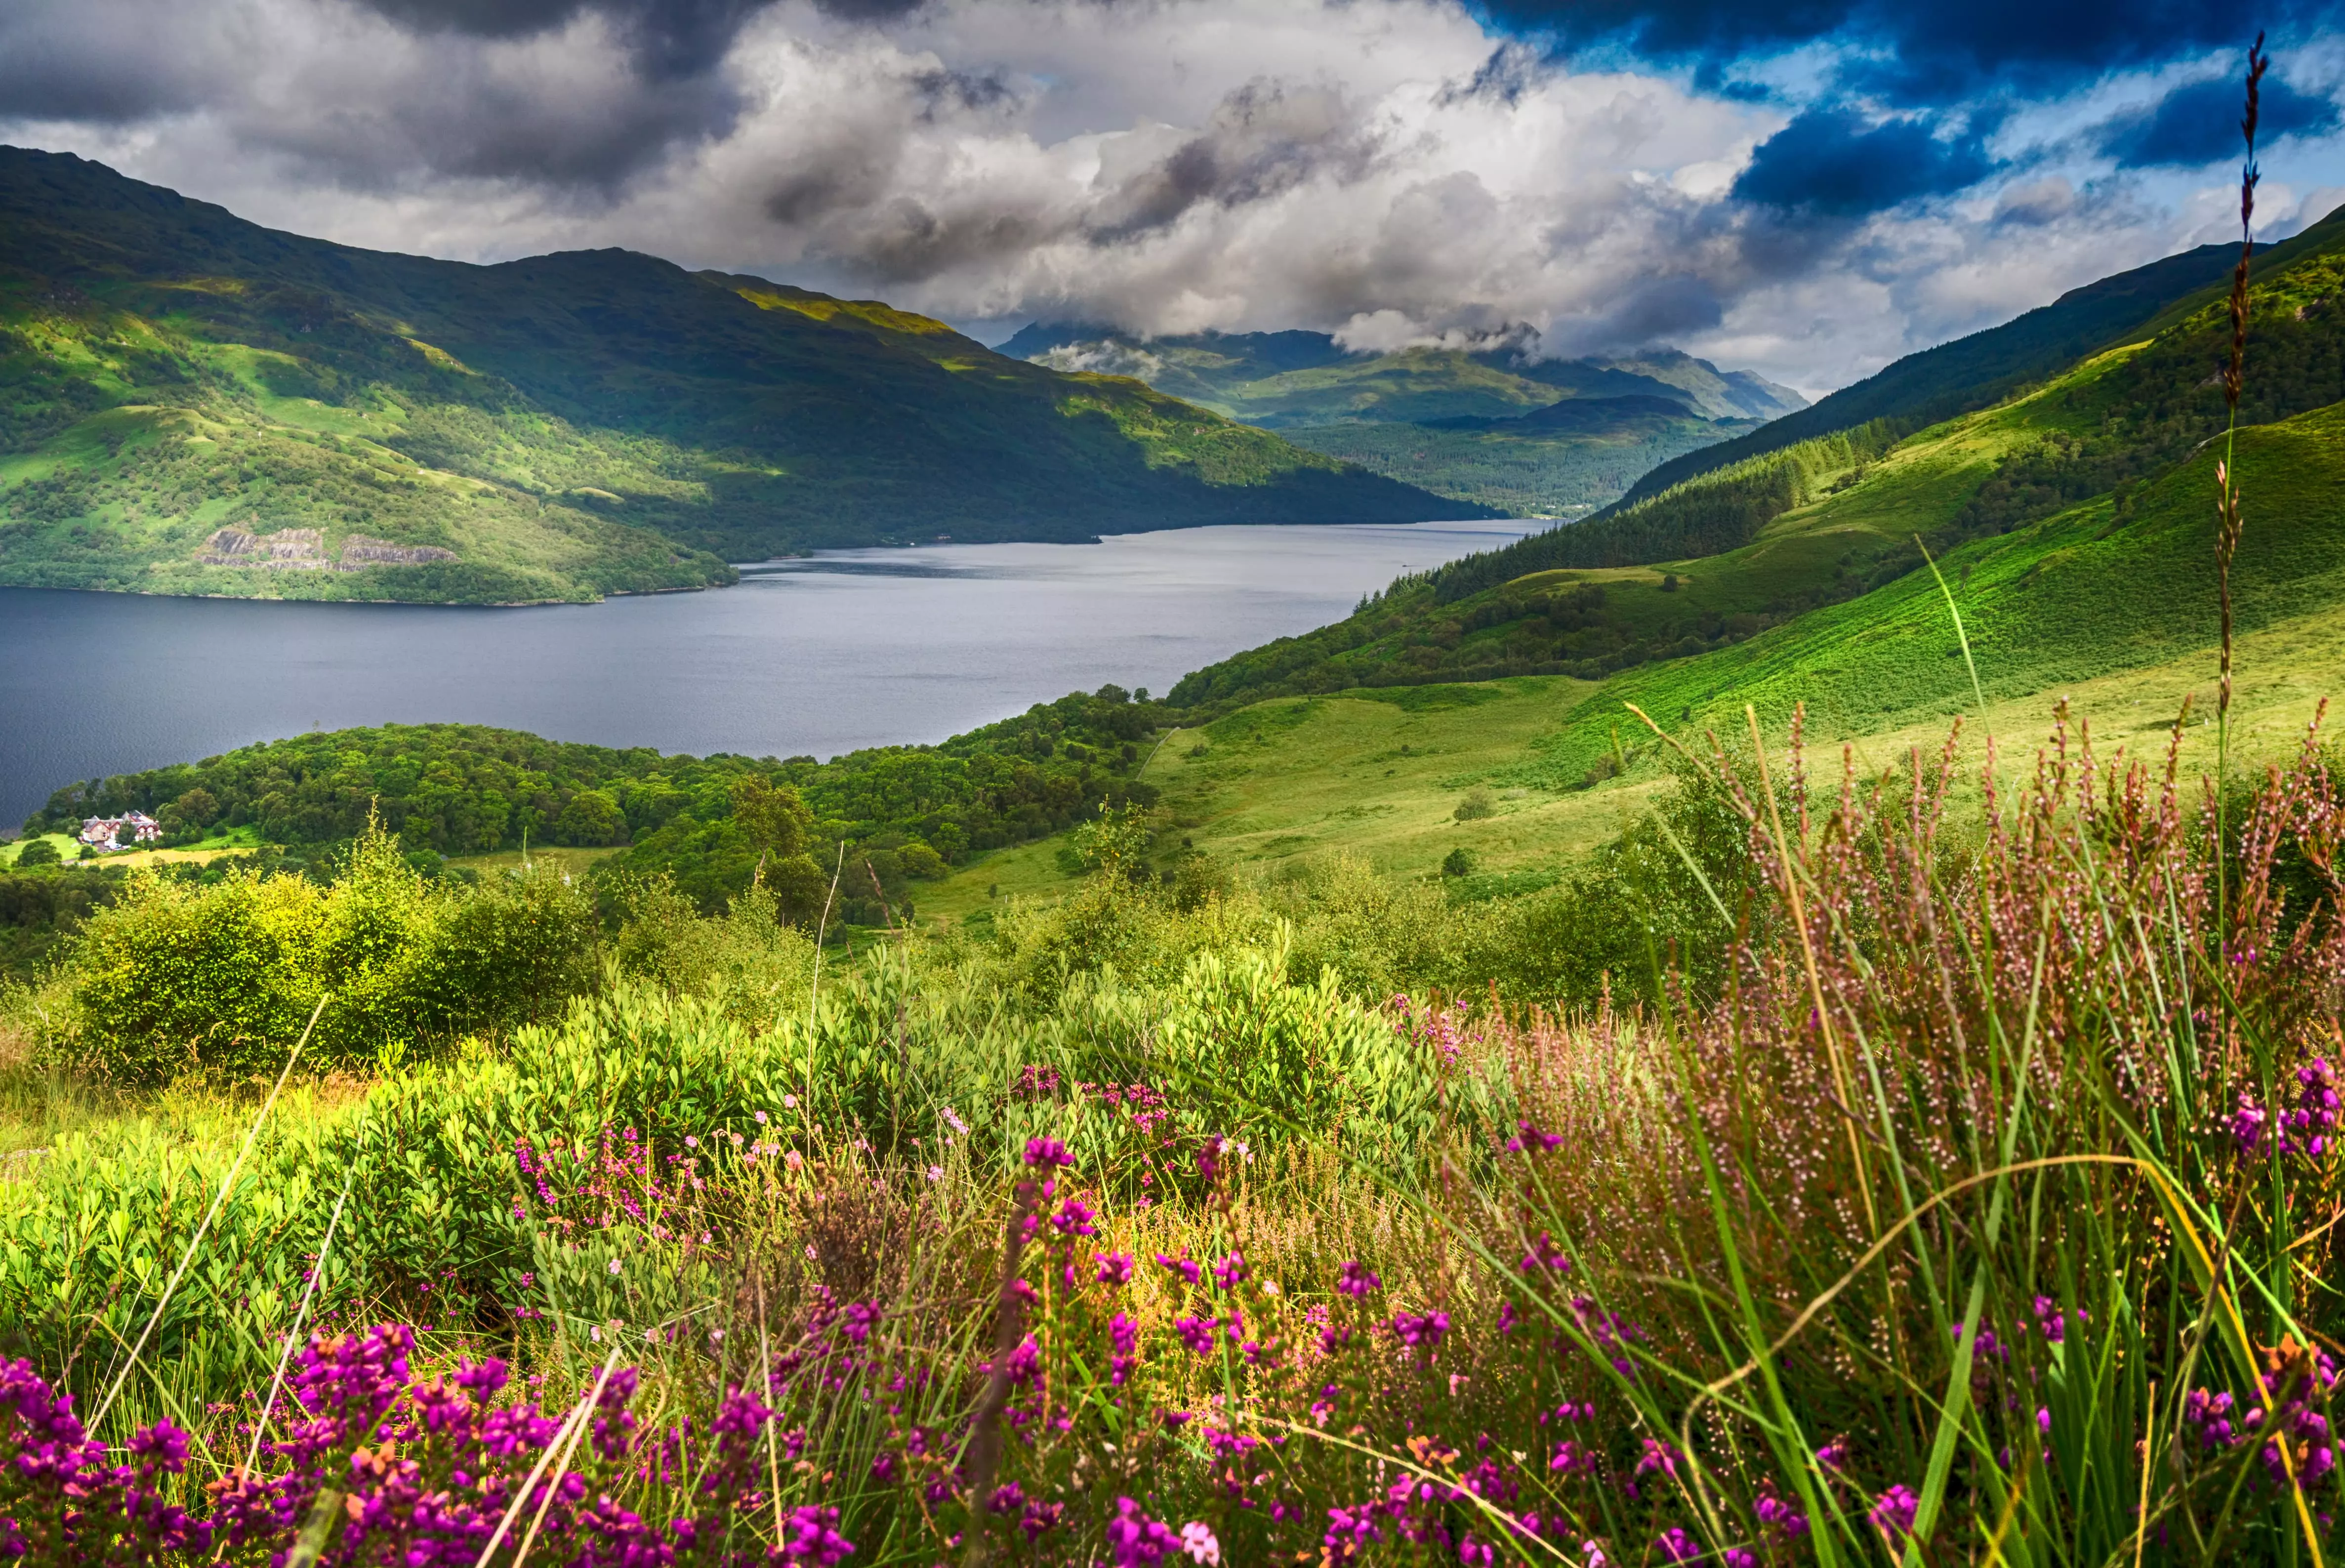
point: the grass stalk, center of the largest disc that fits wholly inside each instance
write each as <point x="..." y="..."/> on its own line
<point x="228" y="1183"/>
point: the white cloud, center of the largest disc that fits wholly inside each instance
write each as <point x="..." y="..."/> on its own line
<point x="1383" y="167"/>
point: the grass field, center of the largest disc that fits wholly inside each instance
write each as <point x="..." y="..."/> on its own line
<point x="1380" y="774"/>
<point x="68" y="850"/>
<point x="572" y="861"/>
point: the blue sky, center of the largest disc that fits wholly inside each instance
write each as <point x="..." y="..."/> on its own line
<point x="1809" y="188"/>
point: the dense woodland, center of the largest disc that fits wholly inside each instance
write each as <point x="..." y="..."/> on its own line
<point x="906" y="812"/>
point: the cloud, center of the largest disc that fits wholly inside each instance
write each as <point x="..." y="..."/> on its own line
<point x="1832" y="162"/>
<point x="1918" y="52"/>
<point x="1397" y="171"/>
<point x="351" y="97"/>
<point x="2198" y="124"/>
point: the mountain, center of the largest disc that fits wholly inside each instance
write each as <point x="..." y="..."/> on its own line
<point x="193" y="403"/>
<point x="1282" y="380"/>
<point x="1975" y="372"/>
<point x="1438" y="417"/>
<point x="2072" y="513"/>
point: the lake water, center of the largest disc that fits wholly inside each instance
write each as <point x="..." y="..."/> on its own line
<point x="848" y="649"/>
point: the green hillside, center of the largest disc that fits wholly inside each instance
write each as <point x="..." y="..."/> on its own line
<point x="1473" y="425"/>
<point x="1484" y="708"/>
<point x="192" y="404"/>
<point x="1975" y="372"/>
<point x="1708" y="567"/>
<point x="1538" y="464"/>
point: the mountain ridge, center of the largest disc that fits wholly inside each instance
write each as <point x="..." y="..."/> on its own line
<point x="552" y="427"/>
<point x="1973" y="372"/>
<point x="1785" y="549"/>
<point x="1268" y="378"/>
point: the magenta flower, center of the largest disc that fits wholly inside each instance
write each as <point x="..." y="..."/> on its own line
<point x="1420" y="1330"/>
<point x="1356" y="1280"/>
<point x="1183" y="1267"/>
<point x="1125" y="1335"/>
<point x="1048" y="1154"/>
<point x="1894" y="1512"/>
<point x="1530" y="1137"/>
<point x="1041" y="1519"/>
<point x="1114" y="1268"/>
<point x="812" y="1536"/>
<point x="1136" y="1541"/>
<point x="1209" y="1158"/>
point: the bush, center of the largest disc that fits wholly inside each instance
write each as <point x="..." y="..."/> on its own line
<point x="178" y="976"/>
<point x="39" y="853"/>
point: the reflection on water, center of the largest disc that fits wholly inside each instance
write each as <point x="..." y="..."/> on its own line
<point x="848" y="649"/>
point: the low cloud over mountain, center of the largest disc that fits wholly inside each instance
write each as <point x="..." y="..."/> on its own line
<point x="1809" y="189"/>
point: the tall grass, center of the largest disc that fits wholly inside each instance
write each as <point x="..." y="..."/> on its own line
<point x="1966" y="1189"/>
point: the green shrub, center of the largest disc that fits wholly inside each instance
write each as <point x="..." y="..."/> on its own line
<point x="179" y="976"/>
<point x="39" y="853"/>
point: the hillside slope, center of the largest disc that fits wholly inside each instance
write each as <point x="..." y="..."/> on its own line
<point x="1975" y="372"/>
<point x="2085" y="496"/>
<point x="193" y="403"/>
<point x="1475" y="425"/>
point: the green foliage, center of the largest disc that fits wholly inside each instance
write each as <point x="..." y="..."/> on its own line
<point x="459" y="789"/>
<point x="1514" y="466"/>
<point x="39" y="853"/>
<point x="178" y="976"/>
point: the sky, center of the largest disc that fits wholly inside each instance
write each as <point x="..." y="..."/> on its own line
<point x="1809" y="188"/>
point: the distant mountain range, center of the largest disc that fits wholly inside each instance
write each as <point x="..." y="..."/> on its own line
<point x="193" y="403"/>
<point x="1496" y="427"/>
<point x="1279" y="379"/>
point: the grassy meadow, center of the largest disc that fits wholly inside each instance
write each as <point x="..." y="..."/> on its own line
<point x="1168" y="1219"/>
<point x="1391" y="1105"/>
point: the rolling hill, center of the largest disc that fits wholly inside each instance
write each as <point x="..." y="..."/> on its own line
<point x="1463" y="423"/>
<point x="2069" y="516"/>
<point x="1975" y="372"/>
<point x="1484" y="706"/>
<point x="192" y="404"/>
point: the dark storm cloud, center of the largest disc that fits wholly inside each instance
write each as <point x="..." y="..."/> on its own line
<point x="669" y="38"/>
<point x="2198" y="124"/>
<point x="1830" y="161"/>
<point x="431" y="88"/>
<point x="1263" y="139"/>
<point x="1918" y="52"/>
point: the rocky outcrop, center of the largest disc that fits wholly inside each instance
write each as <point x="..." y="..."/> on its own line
<point x="296" y="549"/>
<point x="304" y="550"/>
<point x="358" y="550"/>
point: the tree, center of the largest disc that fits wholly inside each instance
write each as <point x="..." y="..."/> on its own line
<point x="592" y="817"/>
<point x="39" y="853"/>
<point x="773" y="816"/>
<point x="197" y="808"/>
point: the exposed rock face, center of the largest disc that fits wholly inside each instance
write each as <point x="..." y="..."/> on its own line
<point x="304" y="550"/>
<point x="358" y="550"/>
<point x="301" y="549"/>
